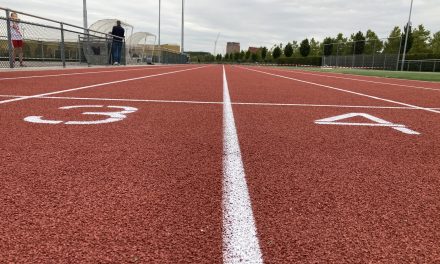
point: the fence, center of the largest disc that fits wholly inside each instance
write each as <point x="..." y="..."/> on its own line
<point x="432" y="65"/>
<point x="383" y="54"/>
<point x="48" y="42"/>
<point x="53" y="43"/>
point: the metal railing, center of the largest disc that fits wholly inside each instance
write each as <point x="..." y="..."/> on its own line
<point x="47" y="42"/>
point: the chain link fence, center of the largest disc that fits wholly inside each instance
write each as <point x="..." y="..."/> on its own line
<point x="380" y="54"/>
<point x="47" y="43"/>
<point x="50" y="43"/>
<point x="432" y="65"/>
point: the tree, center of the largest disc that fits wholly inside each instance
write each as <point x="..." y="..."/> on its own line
<point x="409" y="42"/>
<point x="236" y="56"/>
<point x="328" y="46"/>
<point x="391" y="46"/>
<point x="435" y="43"/>
<point x="358" y="43"/>
<point x="304" y="48"/>
<point x="342" y="47"/>
<point x="218" y="57"/>
<point x="254" y="57"/>
<point x="276" y="52"/>
<point x="288" y="50"/>
<point x="263" y="53"/>
<point x="315" y="49"/>
<point x="226" y="57"/>
<point x="247" y="54"/>
<point x="295" y="47"/>
<point x="242" y="55"/>
<point x="373" y="43"/>
<point x="421" y="40"/>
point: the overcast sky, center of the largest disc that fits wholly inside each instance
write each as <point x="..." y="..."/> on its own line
<point x="250" y="22"/>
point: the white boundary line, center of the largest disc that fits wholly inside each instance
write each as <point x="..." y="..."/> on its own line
<point x="343" y="90"/>
<point x="216" y="103"/>
<point x="354" y="79"/>
<point x="240" y="241"/>
<point x="96" y="85"/>
<point x="85" y="73"/>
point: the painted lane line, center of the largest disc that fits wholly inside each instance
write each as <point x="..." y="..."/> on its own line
<point x="216" y="103"/>
<point x="97" y="85"/>
<point x="84" y="73"/>
<point x="240" y="241"/>
<point x="343" y="90"/>
<point x="359" y="80"/>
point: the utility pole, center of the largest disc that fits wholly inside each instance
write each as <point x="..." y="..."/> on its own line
<point x="85" y="16"/>
<point x="160" y="50"/>
<point x="406" y="37"/>
<point x="183" y="26"/>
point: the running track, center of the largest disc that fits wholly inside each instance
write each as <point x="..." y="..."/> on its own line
<point x="213" y="164"/>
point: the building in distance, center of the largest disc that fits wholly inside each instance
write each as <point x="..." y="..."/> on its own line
<point x="254" y="50"/>
<point x="232" y="47"/>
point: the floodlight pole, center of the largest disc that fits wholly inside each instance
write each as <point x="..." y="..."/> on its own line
<point x="183" y="26"/>
<point x="160" y="50"/>
<point x="406" y="37"/>
<point x="85" y="16"/>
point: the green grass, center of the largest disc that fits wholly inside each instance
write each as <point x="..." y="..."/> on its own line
<point x="421" y="76"/>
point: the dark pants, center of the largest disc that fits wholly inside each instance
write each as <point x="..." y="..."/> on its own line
<point x="117" y="47"/>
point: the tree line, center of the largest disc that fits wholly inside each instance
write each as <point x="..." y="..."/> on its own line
<point x="421" y="42"/>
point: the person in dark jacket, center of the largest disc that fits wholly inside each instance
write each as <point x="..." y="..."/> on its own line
<point x="118" y="37"/>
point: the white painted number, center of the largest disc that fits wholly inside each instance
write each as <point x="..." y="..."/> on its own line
<point x="377" y="122"/>
<point x="114" y="116"/>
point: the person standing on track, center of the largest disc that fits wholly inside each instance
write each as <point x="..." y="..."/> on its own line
<point x="118" y="37"/>
<point x="17" y="38"/>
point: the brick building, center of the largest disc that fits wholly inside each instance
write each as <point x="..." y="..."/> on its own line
<point x="232" y="47"/>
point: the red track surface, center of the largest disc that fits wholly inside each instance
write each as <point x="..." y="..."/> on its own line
<point x="148" y="189"/>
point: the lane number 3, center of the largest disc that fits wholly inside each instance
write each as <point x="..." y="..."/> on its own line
<point x="112" y="117"/>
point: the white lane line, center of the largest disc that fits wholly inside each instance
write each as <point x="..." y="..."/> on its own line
<point x="84" y="73"/>
<point x="240" y="241"/>
<point x="359" y="80"/>
<point x="218" y="103"/>
<point x="343" y="90"/>
<point x="96" y="85"/>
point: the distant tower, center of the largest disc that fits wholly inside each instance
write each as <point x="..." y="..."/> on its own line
<point x="232" y="47"/>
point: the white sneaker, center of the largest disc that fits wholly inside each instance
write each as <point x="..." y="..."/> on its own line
<point x="116" y="63"/>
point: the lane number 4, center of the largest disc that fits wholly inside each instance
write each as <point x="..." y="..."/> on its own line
<point x="375" y="122"/>
<point x="114" y="116"/>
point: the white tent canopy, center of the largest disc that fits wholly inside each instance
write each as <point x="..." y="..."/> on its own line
<point x="140" y="46"/>
<point x="106" y="26"/>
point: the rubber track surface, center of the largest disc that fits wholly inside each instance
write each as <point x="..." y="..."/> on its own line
<point x="148" y="189"/>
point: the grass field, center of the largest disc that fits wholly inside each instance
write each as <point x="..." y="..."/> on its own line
<point x="422" y="76"/>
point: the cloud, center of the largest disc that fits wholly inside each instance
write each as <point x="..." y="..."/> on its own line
<point x="252" y="23"/>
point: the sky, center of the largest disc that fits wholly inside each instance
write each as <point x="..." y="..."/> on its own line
<point x="250" y="22"/>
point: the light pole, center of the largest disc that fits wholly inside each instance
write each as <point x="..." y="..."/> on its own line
<point x="183" y="25"/>
<point x="406" y="37"/>
<point x="160" y="51"/>
<point x="85" y="16"/>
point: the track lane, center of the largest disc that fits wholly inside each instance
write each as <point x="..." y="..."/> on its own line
<point x="45" y="85"/>
<point x="270" y="89"/>
<point x="340" y="194"/>
<point x="415" y="96"/>
<point x="54" y="72"/>
<point x="393" y="81"/>
<point x="98" y="85"/>
<point x="191" y="85"/>
<point x="146" y="189"/>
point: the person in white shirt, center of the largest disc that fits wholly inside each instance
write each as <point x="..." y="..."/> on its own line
<point x="17" y="38"/>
